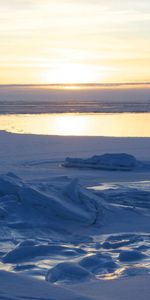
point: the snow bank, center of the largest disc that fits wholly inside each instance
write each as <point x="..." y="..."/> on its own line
<point x="114" y="161"/>
<point x="17" y="287"/>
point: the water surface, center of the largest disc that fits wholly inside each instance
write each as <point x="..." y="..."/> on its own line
<point x="100" y="124"/>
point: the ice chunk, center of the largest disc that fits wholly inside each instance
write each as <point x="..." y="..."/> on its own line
<point x="108" y="161"/>
<point x="30" y="206"/>
<point x="131" y="255"/>
<point x="98" y="263"/>
<point x="26" y="251"/>
<point x="68" y="272"/>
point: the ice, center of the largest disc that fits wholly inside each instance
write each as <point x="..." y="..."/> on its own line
<point x="110" y="161"/>
<point x="128" y="255"/>
<point x="27" y="253"/>
<point x="68" y="272"/>
<point x="99" y="263"/>
<point x="83" y="98"/>
<point x="129" y="197"/>
<point x="71" y="203"/>
<point x="66" y="210"/>
<point x="114" y="242"/>
<point x="55" y="224"/>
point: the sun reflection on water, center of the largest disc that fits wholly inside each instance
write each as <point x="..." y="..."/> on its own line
<point x="100" y="124"/>
<point x="69" y="125"/>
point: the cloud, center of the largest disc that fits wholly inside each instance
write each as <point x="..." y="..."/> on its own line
<point x="17" y="4"/>
<point x="95" y="32"/>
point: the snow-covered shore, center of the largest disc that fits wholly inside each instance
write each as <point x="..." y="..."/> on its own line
<point x="16" y="287"/>
<point x="35" y="156"/>
<point x="75" y="228"/>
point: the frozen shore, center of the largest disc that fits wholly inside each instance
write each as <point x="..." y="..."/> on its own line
<point x="73" y="228"/>
<point x="16" y="287"/>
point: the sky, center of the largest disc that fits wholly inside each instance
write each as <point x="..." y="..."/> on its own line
<point x="74" y="41"/>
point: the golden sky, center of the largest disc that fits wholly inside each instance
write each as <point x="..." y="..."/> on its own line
<point x="76" y="41"/>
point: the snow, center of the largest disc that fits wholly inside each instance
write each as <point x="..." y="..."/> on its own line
<point x="74" y="233"/>
<point x="125" y="288"/>
<point x="16" y="287"/>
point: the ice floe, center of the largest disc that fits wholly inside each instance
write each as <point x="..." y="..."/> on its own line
<point x="68" y="272"/>
<point x="108" y="161"/>
<point x="131" y="255"/>
<point x="99" y="263"/>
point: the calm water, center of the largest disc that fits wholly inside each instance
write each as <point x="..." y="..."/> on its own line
<point x="123" y="125"/>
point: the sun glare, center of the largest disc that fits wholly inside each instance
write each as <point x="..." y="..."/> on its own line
<point x="71" y="87"/>
<point x="70" y="125"/>
<point x="72" y="74"/>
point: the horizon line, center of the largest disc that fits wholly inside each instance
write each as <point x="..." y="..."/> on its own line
<point x="111" y="84"/>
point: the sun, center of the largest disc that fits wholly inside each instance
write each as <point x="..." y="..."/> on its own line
<point x="72" y="74"/>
